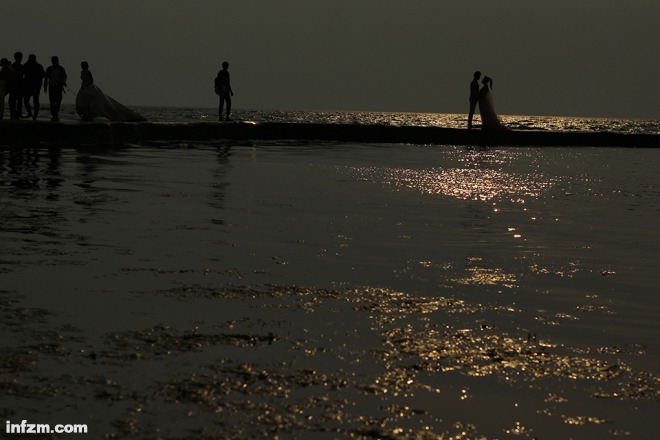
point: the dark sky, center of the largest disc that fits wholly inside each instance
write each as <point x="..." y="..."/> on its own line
<point x="560" y="57"/>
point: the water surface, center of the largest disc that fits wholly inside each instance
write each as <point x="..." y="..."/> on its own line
<point x="331" y="290"/>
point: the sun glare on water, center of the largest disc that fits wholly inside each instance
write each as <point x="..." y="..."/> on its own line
<point x="462" y="183"/>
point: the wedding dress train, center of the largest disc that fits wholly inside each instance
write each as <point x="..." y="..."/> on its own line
<point x="91" y="102"/>
<point x="489" y="118"/>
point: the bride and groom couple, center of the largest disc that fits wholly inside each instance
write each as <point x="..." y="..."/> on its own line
<point x="484" y="97"/>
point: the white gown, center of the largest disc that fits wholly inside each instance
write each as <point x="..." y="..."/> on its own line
<point x="91" y="102"/>
<point x="489" y="118"/>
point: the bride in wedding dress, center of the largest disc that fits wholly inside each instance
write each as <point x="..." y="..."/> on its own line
<point x="489" y="118"/>
<point x="91" y="102"/>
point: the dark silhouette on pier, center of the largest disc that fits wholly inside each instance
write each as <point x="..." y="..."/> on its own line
<point x="7" y="79"/>
<point x="489" y="118"/>
<point x="16" y="89"/>
<point x="54" y="85"/>
<point x="33" y="77"/>
<point x="474" y="96"/>
<point x="223" y="90"/>
<point x="91" y="102"/>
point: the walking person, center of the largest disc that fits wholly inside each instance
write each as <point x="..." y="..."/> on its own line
<point x="474" y="97"/>
<point x="33" y="76"/>
<point x="54" y="85"/>
<point x="223" y="89"/>
<point x="16" y="91"/>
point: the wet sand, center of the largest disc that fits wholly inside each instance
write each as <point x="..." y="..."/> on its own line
<point x="331" y="290"/>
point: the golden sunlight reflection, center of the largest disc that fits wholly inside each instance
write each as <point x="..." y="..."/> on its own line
<point x="487" y="277"/>
<point x="475" y="274"/>
<point x="478" y="275"/>
<point x="462" y="183"/>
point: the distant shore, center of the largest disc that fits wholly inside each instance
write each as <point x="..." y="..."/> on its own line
<point x="42" y="133"/>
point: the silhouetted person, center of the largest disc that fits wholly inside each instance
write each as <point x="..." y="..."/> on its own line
<point x="489" y="118"/>
<point x="16" y="91"/>
<point x="86" y="77"/>
<point x="474" y="97"/>
<point x="33" y="76"/>
<point x="91" y="102"/>
<point x="54" y="85"/>
<point x="223" y="89"/>
<point x="84" y="104"/>
<point x="7" y="79"/>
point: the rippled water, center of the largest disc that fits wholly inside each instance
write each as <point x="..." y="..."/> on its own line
<point x="550" y="123"/>
<point x="331" y="290"/>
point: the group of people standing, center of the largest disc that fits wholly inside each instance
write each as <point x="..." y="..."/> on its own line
<point x="23" y="82"/>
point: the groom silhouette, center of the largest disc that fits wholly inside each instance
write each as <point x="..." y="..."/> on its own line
<point x="474" y="96"/>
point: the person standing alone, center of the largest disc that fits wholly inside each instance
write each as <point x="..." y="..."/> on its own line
<point x="56" y="81"/>
<point x="223" y="89"/>
<point x="474" y="97"/>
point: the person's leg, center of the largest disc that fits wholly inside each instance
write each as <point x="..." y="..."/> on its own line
<point x="55" y="97"/>
<point x="12" y="104"/>
<point x="58" y="103"/>
<point x="2" y="99"/>
<point x="228" y="105"/>
<point x="26" y="102"/>
<point x="51" y="102"/>
<point x="37" y="104"/>
<point x="20" y="93"/>
<point x="222" y="104"/>
<point x="473" y="107"/>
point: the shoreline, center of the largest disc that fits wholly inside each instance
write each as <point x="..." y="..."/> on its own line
<point x="43" y="133"/>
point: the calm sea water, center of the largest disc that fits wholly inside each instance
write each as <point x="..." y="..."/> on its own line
<point x="331" y="290"/>
<point x="553" y="123"/>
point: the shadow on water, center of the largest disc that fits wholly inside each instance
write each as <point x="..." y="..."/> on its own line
<point x="57" y="202"/>
<point x="31" y="168"/>
<point x="220" y="183"/>
<point x="30" y="179"/>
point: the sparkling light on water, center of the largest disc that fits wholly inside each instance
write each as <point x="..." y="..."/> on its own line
<point x="446" y="120"/>
<point x="462" y="183"/>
